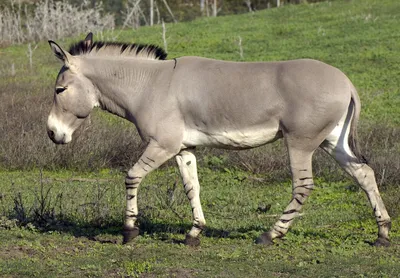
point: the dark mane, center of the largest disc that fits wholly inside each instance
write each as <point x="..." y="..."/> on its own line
<point x="148" y="51"/>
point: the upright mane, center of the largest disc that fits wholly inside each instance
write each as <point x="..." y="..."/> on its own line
<point x="100" y="48"/>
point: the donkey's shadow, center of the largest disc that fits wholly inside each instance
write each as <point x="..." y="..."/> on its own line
<point x="112" y="231"/>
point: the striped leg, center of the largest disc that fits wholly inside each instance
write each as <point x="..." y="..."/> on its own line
<point x="302" y="180"/>
<point x="150" y="160"/>
<point x="365" y="177"/>
<point x="188" y="169"/>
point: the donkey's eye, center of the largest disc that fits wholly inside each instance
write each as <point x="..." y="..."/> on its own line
<point x="60" y="89"/>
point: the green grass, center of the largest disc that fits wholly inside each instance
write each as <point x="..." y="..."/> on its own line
<point x="70" y="221"/>
<point x="330" y="239"/>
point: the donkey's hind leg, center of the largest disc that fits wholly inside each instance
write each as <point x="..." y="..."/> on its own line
<point x="188" y="169"/>
<point x="303" y="184"/>
<point x="337" y="146"/>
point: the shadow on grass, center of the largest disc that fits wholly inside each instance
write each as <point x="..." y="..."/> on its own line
<point x="109" y="232"/>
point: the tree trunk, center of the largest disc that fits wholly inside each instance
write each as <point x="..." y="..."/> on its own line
<point x="158" y="14"/>
<point x="151" y="12"/>
<point x="169" y="10"/>
<point x="202" y="6"/>
<point x="215" y="11"/>
<point x="249" y="6"/>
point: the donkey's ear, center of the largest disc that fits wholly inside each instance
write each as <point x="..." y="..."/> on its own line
<point x="89" y="40"/>
<point x="64" y="56"/>
<point x="58" y="51"/>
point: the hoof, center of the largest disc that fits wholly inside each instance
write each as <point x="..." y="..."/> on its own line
<point x="129" y="234"/>
<point x="265" y="239"/>
<point x="191" y="241"/>
<point x="382" y="242"/>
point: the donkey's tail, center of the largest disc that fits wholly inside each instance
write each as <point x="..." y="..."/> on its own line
<point x="353" y="136"/>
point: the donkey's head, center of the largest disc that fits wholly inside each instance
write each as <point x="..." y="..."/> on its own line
<point x="74" y="96"/>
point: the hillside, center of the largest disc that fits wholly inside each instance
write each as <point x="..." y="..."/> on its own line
<point x="361" y="39"/>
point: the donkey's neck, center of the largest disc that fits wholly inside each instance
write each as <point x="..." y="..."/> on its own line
<point x="126" y="85"/>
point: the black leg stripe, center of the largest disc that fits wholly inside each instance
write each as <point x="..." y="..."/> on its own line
<point x="309" y="186"/>
<point x="131" y="187"/>
<point x="298" y="201"/>
<point x="302" y="195"/>
<point x="383" y="222"/>
<point x="130" y="197"/>
<point x="279" y="232"/>
<point x="150" y="159"/>
<point x="305" y="178"/>
<point x="187" y="192"/>
<point x="283" y="228"/>
<point x="290" y="211"/>
<point x="198" y="227"/>
<point x="131" y="183"/>
<point x="286" y="220"/>
<point x="146" y="163"/>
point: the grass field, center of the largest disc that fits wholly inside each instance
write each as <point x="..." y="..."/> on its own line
<point x="61" y="207"/>
<point x="82" y="237"/>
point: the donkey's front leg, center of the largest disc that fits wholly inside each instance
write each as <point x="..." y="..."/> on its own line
<point x="188" y="168"/>
<point x="151" y="159"/>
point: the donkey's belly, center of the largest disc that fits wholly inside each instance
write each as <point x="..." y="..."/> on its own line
<point x="235" y="139"/>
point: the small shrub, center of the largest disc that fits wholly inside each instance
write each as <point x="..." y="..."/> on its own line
<point x="46" y="209"/>
<point x="50" y="19"/>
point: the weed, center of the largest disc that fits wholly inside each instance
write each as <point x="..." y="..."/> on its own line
<point x="135" y="269"/>
<point x="6" y="223"/>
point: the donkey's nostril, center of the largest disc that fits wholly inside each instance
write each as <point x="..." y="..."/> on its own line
<point x="51" y="134"/>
